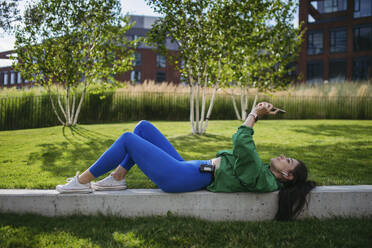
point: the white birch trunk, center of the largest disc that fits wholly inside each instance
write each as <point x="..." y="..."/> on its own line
<point x="197" y="116"/>
<point x="254" y="102"/>
<point x="191" y="102"/>
<point x="68" y="113"/>
<point x="210" y="109"/>
<point x="234" y="104"/>
<point x="62" y="109"/>
<point x="244" y="92"/>
<point x="73" y="107"/>
<point x="203" y="107"/>
<point x="242" y="102"/>
<point x="203" y="98"/>
<point x="75" y="118"/>
<point x="54" y="109"/>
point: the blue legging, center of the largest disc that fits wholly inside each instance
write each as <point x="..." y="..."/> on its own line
<point x="156" y="157"/>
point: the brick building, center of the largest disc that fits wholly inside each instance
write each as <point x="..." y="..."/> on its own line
<point x="148" y="64"/>
<point x="338" y="40"/>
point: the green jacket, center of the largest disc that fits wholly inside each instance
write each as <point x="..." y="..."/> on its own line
<point x="241" y="169"/>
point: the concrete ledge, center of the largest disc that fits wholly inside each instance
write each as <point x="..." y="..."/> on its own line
<point x="325" y="201"/>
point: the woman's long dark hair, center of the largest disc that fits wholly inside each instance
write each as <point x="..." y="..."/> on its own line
<point x="292" y="196"/>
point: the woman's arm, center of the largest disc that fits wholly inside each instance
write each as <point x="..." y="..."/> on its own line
<point x="259" y="110"/>
<point x="249" y="122"/>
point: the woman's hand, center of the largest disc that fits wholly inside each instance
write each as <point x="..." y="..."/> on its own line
<point x="264" y="108"/>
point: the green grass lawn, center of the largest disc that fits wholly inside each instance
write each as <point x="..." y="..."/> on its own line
<point x="79" y="231"/>
<point x="337" y="152"/>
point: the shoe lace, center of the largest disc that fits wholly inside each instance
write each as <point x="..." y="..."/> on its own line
<point x="72" y="178"/>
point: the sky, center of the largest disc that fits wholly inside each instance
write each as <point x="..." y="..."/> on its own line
<point x="133" y="7"/>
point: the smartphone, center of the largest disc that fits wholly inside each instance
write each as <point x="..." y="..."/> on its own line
<point x="280" y="110"/>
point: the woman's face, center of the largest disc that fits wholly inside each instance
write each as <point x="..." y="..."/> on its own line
<point x="282" y="166"/>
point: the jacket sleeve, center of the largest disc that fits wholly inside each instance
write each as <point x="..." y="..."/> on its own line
<point x="247" y="165"/>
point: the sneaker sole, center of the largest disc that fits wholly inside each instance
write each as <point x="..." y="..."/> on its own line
<point x="100" y="188"/>
<point x="74" y="191"/>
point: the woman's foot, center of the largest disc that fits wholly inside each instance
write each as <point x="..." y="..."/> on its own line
<point x="109" y="183"/>
<point x="74" y="186"/>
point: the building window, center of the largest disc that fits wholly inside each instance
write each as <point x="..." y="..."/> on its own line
<point x="315" y="72"/>
<point x="6" y="78"/>
<point x="362" y="8"/>
<point x="314" y="42"/>
<point x="135" y="76"/>
<point x="337" y="70"/>
<point x="12" y="77"/>
<point x="329" y="6"/>
<point x="137" y="59"/>
<point x="160" y="76"/>
<point x="338" y="40"/>
<point x="19" y="78"/>
<point x="362" y="68"/>
<point x="160" y="61"/>
<point x="363" y="38"/>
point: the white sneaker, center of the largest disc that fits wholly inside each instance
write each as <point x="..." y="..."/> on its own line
<point x="73" y="186"/>
<point x="109" y="183"/>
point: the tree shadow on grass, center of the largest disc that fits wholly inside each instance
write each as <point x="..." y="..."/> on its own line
<point x="346" y="131"/>
<point x="81" y="148"/>
<point x="340" y="163"/>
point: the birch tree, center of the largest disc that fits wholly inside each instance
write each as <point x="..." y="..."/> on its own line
<point x="73" y="44"/>
<point x="263" y="54"/>
<point x="192" y="25"/>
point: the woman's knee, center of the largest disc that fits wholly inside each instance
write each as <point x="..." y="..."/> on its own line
<point x="141" y="125"/>
<point x="124" y="137"/>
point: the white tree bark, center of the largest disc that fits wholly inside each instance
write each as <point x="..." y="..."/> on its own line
<point x="203" y="106"/>
<point x="54" y="109"/>
<point x="246" y="102"/>
<point x="234" y="104"/>
<point x="210" y="109"/>
<point x="191" y="83"/>
<point x="197" y="116"/>
<point x="73" y="106"/>
<point x="68" y="113"/>
<point x="254" y="102"/>
<point x="213" y="96"/>
<point x="79" y="106"/>
<point x="242" y="102"/>
<point x="61" y="107"/>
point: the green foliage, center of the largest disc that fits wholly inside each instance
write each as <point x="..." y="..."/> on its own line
<point x="254" y="41"/>
<point x="71" y="43"/>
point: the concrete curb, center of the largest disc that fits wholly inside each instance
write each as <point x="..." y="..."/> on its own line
<point x="325" y="202"/>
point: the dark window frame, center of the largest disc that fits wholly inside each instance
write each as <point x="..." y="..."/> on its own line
<point x="312" y="63"/>
<point x="334" y="39"/>
<point x="310" y="45"/>
<point x="366" y="59"/>
<point x="159" y="62"/>
<point x="136" y="79"/>
<point x="137" y="61"/>
<point x="157" y="80"/>
<point x="344" y="61"/>
<point x="358" y="6"/>
<point x="356" y="29"/>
